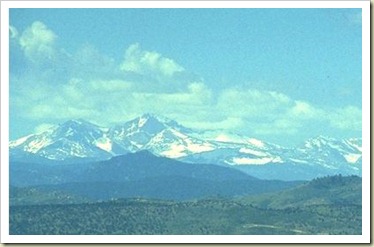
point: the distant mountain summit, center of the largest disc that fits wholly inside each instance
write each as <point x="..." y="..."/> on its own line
<point x="150" y="132"/>
<point x="74" y="138"/>
<point x="336" y="152"/>
<point x="165" y="137"/>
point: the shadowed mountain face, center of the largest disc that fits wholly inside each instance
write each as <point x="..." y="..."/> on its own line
<point x="140" y="174"/>
<point x="77" y="140"/>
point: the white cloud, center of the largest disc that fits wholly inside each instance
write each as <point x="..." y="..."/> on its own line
<point x="273" y="113"/>
<point x="227" y="123"/>
<point x="43" y="127"/>
<point x="148" y="62"/>
<point x="37" y="41"/>
<point x="252" y="103"/>
<point x="261" y="113"/>
<point x="42" y="111"/>
<point x="304" y="110"/>
<point x="280" y="127"/>
<point x="95" y="88"/>
<point x="347" y="118"/>
<point x="78" y="88"/>
<point x="13" y="32"/>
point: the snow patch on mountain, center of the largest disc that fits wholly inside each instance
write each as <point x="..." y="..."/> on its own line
<point x="298" y="161"/>
<point x="172" y="143"/>
<point x="175" y="151"/>
<point x="352" y="158"/>
<point x="199" y="148"/>
<point x="254" y="161"/>
<point x="104" y="143"/>
<point x="37" y="144"/>
<point x="18" y="142"/>
<point x="142" y="121"/>
<point x="256" y="142"/>
<point x="355" y="143"/>
<point x="253" y="152"/>
<point x="224" y="138"/>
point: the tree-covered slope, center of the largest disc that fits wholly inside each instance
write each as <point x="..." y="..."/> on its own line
<point x="329" y="205"/>
<point x="331" y="190"/>
<point x="213" y="216"/>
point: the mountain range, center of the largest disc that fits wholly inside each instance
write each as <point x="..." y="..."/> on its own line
<point x="80" y="140"/>
<point x="138" y="174"/>
<point x="152" y="175"/>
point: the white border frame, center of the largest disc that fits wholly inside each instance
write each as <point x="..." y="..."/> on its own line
<point x="6" y="238"/>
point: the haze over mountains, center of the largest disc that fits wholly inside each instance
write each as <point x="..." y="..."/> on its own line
<point x="81" y="140"/>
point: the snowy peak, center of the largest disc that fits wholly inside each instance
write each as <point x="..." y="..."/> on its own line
<point x="147" y="123"/>
<point x="174" y="144"/>
<point x="158" y="134"/>
<point x="71" y="139"/>
<point x="78" y="129"/>
<point x="165" y="137"/>
<point x="324" y="141"/>
<point x="77" y="122"/>
<point x="318" y="142"/>
<point x="345" y="145"/>
<point x="151" y="122"/>
<point x="354" y="143"/>
<point x="136" y="133"/>
<point x="332" y="150"/>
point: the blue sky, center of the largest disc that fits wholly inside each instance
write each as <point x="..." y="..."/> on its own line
<point x="281" y="75"/>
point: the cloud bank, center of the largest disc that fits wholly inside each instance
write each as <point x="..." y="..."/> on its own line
<point x="88" y="84"/>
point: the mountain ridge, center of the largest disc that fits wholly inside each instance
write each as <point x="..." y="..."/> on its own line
<point x="80" y="139"/>
<point x="140" y="174"/>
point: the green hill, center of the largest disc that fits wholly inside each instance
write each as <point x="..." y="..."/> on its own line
<point x="35" y="196"/>
<point x="328" y="205"/>
<point x="331" y="190"/>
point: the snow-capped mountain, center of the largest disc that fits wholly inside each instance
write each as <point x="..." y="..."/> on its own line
<point x="323" y="147"/>
<point x="80" y="139"/>
<point x="165" y="137"/>
<point x="239" y="150"/>
<point x="159" y="135"/>
<point x="319" y="156"/>
<point x="74" y="138"/>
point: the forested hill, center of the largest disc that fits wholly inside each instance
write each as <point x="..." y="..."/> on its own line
<point x="302" y="210"/>
<point x="337" y="190"/>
